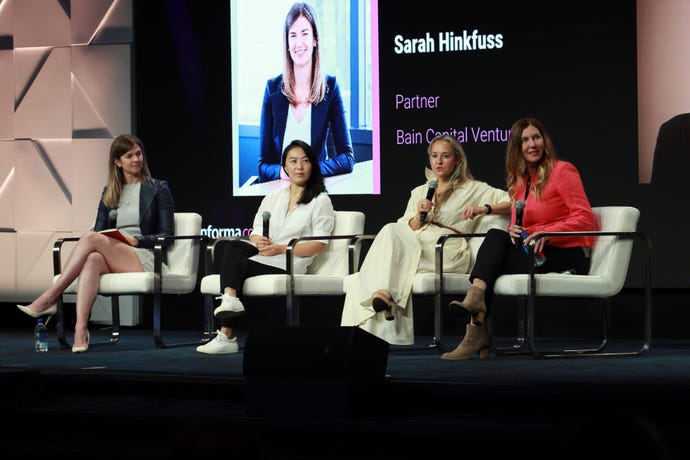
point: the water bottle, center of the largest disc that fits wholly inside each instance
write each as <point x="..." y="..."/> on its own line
<point x="40" y="336"/>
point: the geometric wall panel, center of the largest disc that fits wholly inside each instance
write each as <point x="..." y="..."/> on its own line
<point x="8" y="265"/>
<point x="40" y="23"/>
<point x="101" y="75"/>
<point x="34" y="260"/>
<point x="43" y="98"/>
<point x="6" y="94"/>
<point x="101" y="22"/>
<point x="88" y="155"/>
<point x="43" y="200"/>
<point x="7" y="169"/>
<point x="65" y="93"/>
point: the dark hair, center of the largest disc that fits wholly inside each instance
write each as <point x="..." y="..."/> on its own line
<point x="315" y="183"/>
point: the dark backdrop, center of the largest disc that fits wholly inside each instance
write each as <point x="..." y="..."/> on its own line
<point x="571" y="65"/>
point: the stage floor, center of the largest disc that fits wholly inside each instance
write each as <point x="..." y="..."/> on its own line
<point x="176" y="402"/>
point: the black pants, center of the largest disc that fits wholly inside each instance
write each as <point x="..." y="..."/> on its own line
<point x="235" y="267"/>
<point x="498" y="256"/>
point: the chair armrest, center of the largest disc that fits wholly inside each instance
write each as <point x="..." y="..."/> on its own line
<point x="57" y="249"/>
<point x="353" y="265"/>
<point x="290" y="253"/>
<point x="440" y="244"/>
<point x="210" y="250"/>
<point x="623" y="234"/>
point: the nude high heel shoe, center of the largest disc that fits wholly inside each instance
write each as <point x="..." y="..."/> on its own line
<point x="476" y="340"/>
<point x="85" y="347"/>
<point x="48" y="311"/>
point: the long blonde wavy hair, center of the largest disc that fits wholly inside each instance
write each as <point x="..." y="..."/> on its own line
<point x="461" y="173"/>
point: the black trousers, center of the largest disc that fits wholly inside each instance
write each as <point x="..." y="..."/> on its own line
<point x="235" y="267"/>
<point x="499" y="256"/>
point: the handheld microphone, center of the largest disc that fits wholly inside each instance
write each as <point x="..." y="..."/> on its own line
<point x="266" y="216"/>
<point x="519" y="210"/>
<point x="112" y="218"/>
<point x="429" y="196"/>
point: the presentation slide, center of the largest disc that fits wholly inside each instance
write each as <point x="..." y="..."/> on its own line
<point x="333" y="42"/>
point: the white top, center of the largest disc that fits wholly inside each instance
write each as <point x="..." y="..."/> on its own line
<point x="315" y="218"/>
<point x="297" y="129"/>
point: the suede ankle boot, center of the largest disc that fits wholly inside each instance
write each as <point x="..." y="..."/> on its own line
<point x="473" y="303"/>
<point x="476" y="340"/>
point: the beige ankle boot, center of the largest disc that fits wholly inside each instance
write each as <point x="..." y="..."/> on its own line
<point x="476" y="340"/>
<point x="473" y="303"/>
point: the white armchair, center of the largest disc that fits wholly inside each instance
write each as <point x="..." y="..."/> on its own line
<point x="178" y="277"/>
<point x="610" y="260"/>
<point x="324" y="276"/>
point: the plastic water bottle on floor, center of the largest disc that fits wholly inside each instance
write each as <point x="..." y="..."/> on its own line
<point x="40" y="336"/>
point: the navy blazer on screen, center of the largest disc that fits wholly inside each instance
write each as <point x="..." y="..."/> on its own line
<point x="156" y="212"/>
<point x="329" y="113"/>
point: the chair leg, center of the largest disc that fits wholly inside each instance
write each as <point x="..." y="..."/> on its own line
<point x="518" y="345"/>
<point x="60" y="324"/>
<point x="115" y="313"/>
<point x="208" y="319"/>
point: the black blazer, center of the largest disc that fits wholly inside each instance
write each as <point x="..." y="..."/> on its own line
<point x="156" y="212"/>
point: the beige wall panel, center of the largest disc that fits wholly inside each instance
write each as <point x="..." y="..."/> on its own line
<point x="663" y="71"/>
<point x="87" y="15"/>
<point x="101" y="21"/>
<point x="6" y="94"/>
<point x="103" y="73"/>
<point x="60" y="107"/>
<point x="35" y="262"/>
<point x="90" y="162"/>
<point x="7" y="187"/>
<point x="6" y="17"/>
<point x="46" y="107"/>
<point x="42" y="178"/>
<point x="39" y="23"/>
<point x="8" y="242"/>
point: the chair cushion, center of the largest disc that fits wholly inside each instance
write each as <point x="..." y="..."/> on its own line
<point x="138" y="283"/>
<point x="557" y="284"/>
<point x="424" y="283"/>
<point x="276" y="285"/>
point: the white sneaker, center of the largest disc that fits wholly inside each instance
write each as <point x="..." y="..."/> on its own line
<point x="229" y="307"/>
<point x="219" y="345"/>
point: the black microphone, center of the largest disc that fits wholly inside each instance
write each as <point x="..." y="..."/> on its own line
<point x="112" y="218"/>
<point x="519" y="210"/>
<point x="429" y="196"/>
<point x="266" y="217"/>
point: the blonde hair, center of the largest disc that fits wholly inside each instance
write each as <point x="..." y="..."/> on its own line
<point x="318" y="81"/>
<point x="516" y="167"/>
<point x="461" y="172"/>
<point x="116" y="179"/>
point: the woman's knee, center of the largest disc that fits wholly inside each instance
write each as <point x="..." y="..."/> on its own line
<point x="94" y="261"/>
<point x="91" y="238"/>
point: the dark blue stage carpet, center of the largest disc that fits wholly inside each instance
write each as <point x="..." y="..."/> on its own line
<point x="131" y="399"/>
